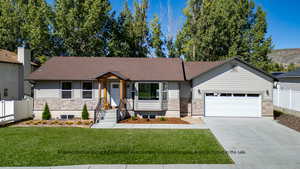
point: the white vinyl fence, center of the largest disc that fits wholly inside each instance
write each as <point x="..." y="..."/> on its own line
<point x="287" y="99"/>
<point x="11" y="111"/>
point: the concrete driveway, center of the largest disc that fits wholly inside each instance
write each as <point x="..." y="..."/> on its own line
<point x="257" y="142"/>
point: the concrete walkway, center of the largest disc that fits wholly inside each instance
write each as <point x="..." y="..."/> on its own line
<point x="150" y="126"/>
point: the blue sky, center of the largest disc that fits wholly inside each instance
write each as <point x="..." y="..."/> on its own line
<point x="283" y="18"/>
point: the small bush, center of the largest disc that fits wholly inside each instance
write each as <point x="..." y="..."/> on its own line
<point x="277" y="114"/>
<point x="86" y="123"/>
<point x="36" y="122"/>
<point x="162" y="119"/>
<point x="134" y="118"/>
<point x="85" y="113"/>
<point x="29" y="122"/>
<point x="54" y="122"/>
<point x="46" y="113"/>
<point x="69" y="122"/>
<point x="44" y="122"/>
<point x="61" y="123"/>
<point x="78" y="122"/>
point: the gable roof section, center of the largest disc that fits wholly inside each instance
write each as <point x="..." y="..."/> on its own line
<point x="194" y="69"/>
<point x="89" y="68"/>
<point x="8" y="57"/>
<point x="295" y="73"/>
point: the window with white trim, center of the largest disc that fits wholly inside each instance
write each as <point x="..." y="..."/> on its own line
<point x="87" y="90"/>
<point x="148" y="91"/>
<point x="66" y="90"/>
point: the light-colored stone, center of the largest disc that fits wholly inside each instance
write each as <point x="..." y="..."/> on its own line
<point x="267" y="108"/>
<point x="197" y="107"/>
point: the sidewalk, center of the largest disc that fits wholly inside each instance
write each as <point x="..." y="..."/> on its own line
<point x="151" y="126"/>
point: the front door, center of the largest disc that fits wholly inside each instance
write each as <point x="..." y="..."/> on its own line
<point x="114" y="94"/>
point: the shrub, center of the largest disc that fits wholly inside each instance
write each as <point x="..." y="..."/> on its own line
<point x="69" y="122"/>
<point x="28" y="122"/>
<point x="78" y="122"/>
<point x="44" y="122"/>
<point x="86" y="122"/>
<point x="162" y="119"/>
<point x="36" y="122"/>
<point x="54" y="122"/>
<point x="134" y="117"/>
<point x="46" y="113"/>
<point x="85" y="113"/>
<point x="277" y="114"/>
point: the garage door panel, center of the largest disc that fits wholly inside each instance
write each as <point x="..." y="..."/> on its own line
<point x="233" y="106"/>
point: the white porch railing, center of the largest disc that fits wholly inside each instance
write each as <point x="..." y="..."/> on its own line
<point x="11" y="111"/>
<point x="287" y="99"/>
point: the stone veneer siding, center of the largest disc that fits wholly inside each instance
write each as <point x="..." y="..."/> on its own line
<point x="267" y="108"/>
<point x="64" y="106"/>
<point x="198" y="108"/>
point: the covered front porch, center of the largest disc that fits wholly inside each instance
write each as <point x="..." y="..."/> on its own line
<point x="112" y="90"/>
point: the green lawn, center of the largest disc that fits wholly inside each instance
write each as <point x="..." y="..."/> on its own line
<point x="39" y="146"/>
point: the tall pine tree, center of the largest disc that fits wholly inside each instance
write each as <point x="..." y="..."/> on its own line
<point x="157" y="43"/>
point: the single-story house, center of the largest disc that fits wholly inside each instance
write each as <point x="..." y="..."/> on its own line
<point x="167" y="87"/>
<point x="289" y="80"/>
<point x="13" y="68"/>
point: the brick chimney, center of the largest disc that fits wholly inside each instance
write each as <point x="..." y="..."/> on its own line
<point x="24" y="57"/>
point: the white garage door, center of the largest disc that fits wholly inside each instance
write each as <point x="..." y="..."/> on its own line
<point x="232" y="105"/>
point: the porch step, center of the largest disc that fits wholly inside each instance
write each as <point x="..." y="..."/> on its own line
<point x="110" y="119"/>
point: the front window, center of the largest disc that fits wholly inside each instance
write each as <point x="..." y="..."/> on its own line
<point x="87" y="90"/>
<point x="66" y="90"/>
<point x="148" y="91"/>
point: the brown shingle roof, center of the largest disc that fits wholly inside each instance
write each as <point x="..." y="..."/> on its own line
<point x="8" y="57"/>
<point x="86" y="68"/>
<point x="193" y="69"/>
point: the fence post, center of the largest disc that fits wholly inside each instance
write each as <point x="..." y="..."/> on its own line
<point x="290" y="99"/>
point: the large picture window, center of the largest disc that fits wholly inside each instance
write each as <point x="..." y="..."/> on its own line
<point x="148" y="91"/>
<point x="66" y="90"/>
<point x="87" y="90"/>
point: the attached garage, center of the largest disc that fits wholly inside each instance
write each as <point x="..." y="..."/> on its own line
<point x="232" y="105"/>
<point x="231" y="88"/>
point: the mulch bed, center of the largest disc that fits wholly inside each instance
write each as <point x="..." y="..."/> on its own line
<point x="53" y="123"/>
<point x="290" y="121"/>
<point x="155" y="121"/>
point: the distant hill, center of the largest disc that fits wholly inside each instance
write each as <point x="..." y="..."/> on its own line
<point x="286" y="56"/>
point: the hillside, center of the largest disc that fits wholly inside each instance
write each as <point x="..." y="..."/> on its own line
<point x="286" y="56"/>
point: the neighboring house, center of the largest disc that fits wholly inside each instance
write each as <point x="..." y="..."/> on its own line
<point x="289" y="80"/>
<point x="152" y="86"/>
<point x="13" y="68"/>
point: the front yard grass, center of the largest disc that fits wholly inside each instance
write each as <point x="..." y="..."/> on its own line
<point x="39" y="146"/>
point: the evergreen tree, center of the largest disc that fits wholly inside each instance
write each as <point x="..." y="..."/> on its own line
<point x="121" y="42"/>
<point x="172" y="51"/>
<point x="85" y="113"/>
<point x="156" y="38"/>
<point x="46" y="113"/>
<point x="140" y="31"/>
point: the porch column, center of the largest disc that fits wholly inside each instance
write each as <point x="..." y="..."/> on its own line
<point x="122" y="89"/>
<point x="104" y="84"/>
